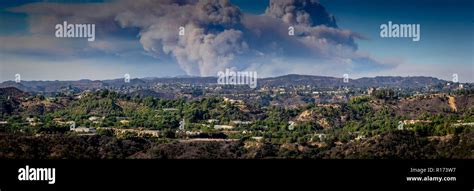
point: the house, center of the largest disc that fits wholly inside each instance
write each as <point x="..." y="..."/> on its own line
<point x="51" y="99"/>
<point x="153" y="133"/>
<point x="124" y="122"/>
<point x="95" y="119"/>
<point x="193" y="133"/>
<point x="414" y="121"/>
<point x="58" y="119"/>
<point x="319" y="137"/>
<point x="170" y="109"/>
<point x="360" y="137"/>
<point x="370" y="91"/>
<point x="33" y="121"/>
<point x="233" y="101"/>
<point x="212" y="121"/>
<point x="223" y="127"/>
<point x="238" y="122"/>
<point x="462" y="124"/>
<point x="30" y="120"/>
<point x="83" y="129"/>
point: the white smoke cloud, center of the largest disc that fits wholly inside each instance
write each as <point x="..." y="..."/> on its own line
<point x="217" y="34"/>
<point x="305" y="12"/>
<point x="203" y="50"/>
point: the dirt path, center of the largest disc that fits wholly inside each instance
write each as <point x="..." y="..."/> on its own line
<point x="452" y="103"/>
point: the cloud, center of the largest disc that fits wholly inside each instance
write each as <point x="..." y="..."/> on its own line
<point x="217" y="34"/>
<point x="41" y="45"/>
<point x="210" y="43"/>
<point x="304" y="12"/>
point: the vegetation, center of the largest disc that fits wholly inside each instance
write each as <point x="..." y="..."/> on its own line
<point x="379" y="125"/>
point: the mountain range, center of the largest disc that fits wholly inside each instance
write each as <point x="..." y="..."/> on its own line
<point x="280" y="81"/>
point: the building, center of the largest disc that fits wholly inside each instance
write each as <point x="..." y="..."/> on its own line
<point x="82" y="129"/>
<point x="33" y="121"/>
<point x="233" y="101"/>
<point x="212" y="121"/>
<point x="238" y="122"/>
<point x="124" y="122"/>
<point x="95" y="119"/>
<point x="223" y="127"/>
<point x="182" y="125"/>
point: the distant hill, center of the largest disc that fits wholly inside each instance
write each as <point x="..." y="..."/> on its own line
<point x="296" y="80"/>
<point x="287" y="80"/>
<point x="151" y="93"/>
<point x="388" y="81"/>
<point x="53" y="86"/>
<point x="12" y="92"/>
<point x="10" y="99"/>
<point x="322" y="81"/>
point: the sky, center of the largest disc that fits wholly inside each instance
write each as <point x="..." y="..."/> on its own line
<point x="141" y="38"/>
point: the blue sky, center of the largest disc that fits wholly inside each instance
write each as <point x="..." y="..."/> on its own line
<point x="447" y="28"/>
<point x="446" y="45"/>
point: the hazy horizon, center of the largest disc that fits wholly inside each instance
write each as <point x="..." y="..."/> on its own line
<point x="187" y="76"/>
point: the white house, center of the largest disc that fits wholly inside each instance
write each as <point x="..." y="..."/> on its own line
<point x="223" y="127"/>
<point x="83" y="129"/>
